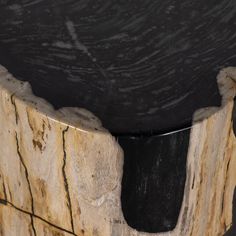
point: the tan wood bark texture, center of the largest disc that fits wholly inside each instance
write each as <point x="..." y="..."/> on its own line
<point x="61" y="171"/>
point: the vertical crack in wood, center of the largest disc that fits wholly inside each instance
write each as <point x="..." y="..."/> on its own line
<point x="14" y="105"/>
<point x="4" y="190"/>
<point x="10" y="194"/>
<point x="193" y="182"/>
<point x="4" y="201"/>
<point x="27" y="179"/>
<point x="65" y="178"/>
<point x="29" y="121"/>
<point x="223" y="197"/>
<point x="32" y="223"/>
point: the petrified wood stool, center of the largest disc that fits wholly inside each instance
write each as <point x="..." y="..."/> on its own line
<point x="144" y="67"/>
<point x="61" y="171"/>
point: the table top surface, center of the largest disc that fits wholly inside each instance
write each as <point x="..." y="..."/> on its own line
<point x="140" y="66"/>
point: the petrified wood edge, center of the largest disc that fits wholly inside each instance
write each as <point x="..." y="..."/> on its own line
<point x="60" y="171"/>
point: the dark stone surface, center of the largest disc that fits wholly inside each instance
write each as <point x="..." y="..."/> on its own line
<point x="138" y="65"/>
<point x="153" y="180"/>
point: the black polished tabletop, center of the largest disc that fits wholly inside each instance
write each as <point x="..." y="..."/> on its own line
<point x="139" y="65"/>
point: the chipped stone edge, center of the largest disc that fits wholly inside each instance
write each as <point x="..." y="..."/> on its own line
<point x="74" y="117"/>
<point x="226" y="80"/>
<point x="86" y="121"/>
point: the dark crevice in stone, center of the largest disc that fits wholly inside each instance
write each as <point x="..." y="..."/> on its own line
<point x="14" y="104"/>
<point x="27" y="179"/>
<point x="65" y="178"/>
<point x="153" y="181"/>
<point x="4" y="190"/>
<point x="4" y="202"/>
<point x="32" y="223"/>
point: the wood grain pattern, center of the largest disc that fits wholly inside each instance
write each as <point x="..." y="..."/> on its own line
<point x="165" y="53"/>
<point x="61" y="171"/>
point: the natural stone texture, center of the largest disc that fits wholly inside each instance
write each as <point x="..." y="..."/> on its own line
<point x="14" y="222"/>
<point x="60" y="171"/>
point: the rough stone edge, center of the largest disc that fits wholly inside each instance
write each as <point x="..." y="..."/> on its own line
<point x="78" y="118"/>
<point x="86" y="121"/>
<point x="226" y="80"/>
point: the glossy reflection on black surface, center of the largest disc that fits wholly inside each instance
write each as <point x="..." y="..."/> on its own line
<point x="153" y="180"/>
<point x="138" y="65"/>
